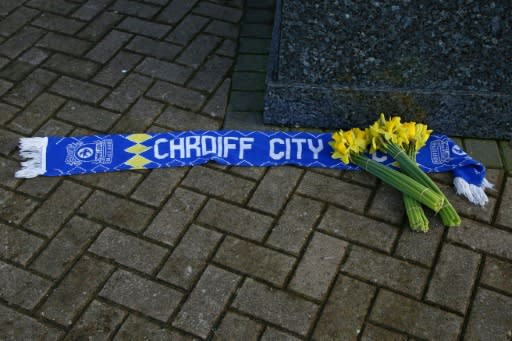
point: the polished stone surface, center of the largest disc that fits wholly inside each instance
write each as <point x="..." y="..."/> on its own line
<point x="339" y="63"/>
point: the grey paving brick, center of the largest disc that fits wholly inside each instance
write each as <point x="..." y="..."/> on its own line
<point x="506" y="150"/>
<point x="254" y="45"/>
<point x="246" y="101"/>
<point x="20" y="287"/>
<point x="403" y="314"/>
<point x="497" y="274"/>
<point x="16" y="245"/>
<point x="139" y="118"/>
<point x="251" y="62"/>
<point x="117" y="211"/>
<point x="186" y="29"/>
<point x="374" y="333"/>
<point x="108" y="46"/>
<point x="333" y="190"/>
<point x="286" y="310"/>
<point x="206" y="302"/>
<point x="353" y="227"/>
<point x="67" y="245"/>
<point x="52" y="22"/>
<point x="421" y="247"/>
<point x="158" y="185"/>
<point x="38" y="187"/>
<point x="55" y="6"/>
<point x="175" y="216"/>
<point x="176" y="95"/>
<point x="176" y="10"/>
<point x="490" y="318"/>
<point x="345" y="311"/>
<point x="217" y="183"/>
<point x="211" y="74"/>
<point x="128" y="250"/>
<point x="483" y="237"/>
<point x="15" y="71"/>
<point x="63" y="43"/>
<point x="237" y="327"/>
<point x="163" y="70"/>
<point x="7" y="112"/>
<point x="228" y="48"/>
<point x="24" y="92"/>
<point x="17" y="326"/>
<point x="98" y="322"/>
<point x="274" y="189"/>
<point x="143" y="27"/>
<point x="135" y="8"/>
<point x="256" y="30"/>
<point x="8" y="6"/>
<point x="318" y="267"/>
<point x="137" y="328"/>
<point x="7" y="169"/>
<point x="248" y="81"/>
<point x="236" y="220"/>
<point x="21" y="41"/>
<point x="217" y="104"/>
<point x="71" y="66"/>
<point x="261" y="3"/>
<point x="90" y="9"/>
<point x="8" y="142"/>
<point x="239" y="255"/>
<point x="504" y="216"/>
<point x="222" y="29"/>
<point x="386" y="271"/>
<point x="154" y="48"/>
<point x="100" y="26"/>
<point x="91" y="117"/>
<point x="140" y="294"/>
<point x="55" y="128"/>
<point x="117" y="182"/>
<point x="260" y="16"/>
<point x="387" y="204"/>
<point x="189" y="258"/>
<point x="198" y="50"/>
<point x="496" y="177"/>
<point x="16" y="20"/>
<point x="295" y="224"/>
<point x="452" y="282"/>
<point x="274" y="334"/>
<point x="57" y="208"/>
<point x="127" y="92"/>
<point x="219" y="12"/>
<point x="36" y="113"/>
<point x="77" y="89"/>
<point x="75" y="291"/>
<point x="486" y="151"/>
<point x="14" y="207"/>
<point x="471" y="211"/>
<point x="178" y="119"/>
<point x="117" y="68"/>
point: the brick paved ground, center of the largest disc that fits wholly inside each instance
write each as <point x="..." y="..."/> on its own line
<point x="213" y="252"/>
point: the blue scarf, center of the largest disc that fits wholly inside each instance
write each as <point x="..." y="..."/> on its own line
<point x="59" y="156"/>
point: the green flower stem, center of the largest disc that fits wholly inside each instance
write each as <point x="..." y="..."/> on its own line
<point x="418" y="221"/>
<point x="448" y="215"/>
<point x="400" y="181"/>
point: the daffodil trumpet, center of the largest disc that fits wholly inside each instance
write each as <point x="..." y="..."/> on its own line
<point x="350" y="145"/>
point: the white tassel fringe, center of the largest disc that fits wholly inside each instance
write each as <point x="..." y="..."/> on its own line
<point x="34" y="150"/>
<point x="475" y="194"/>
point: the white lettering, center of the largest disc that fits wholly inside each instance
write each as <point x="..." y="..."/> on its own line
<point x="204" y="145"/>
<point x="180" y="146"/>
<point x="314" y="149"/>
<point x="193" y="145"/>
<point x="229" y="146"/>
<point x="298" y="143"/>
<point x="245" y="144"/>
<point x="157" y="150"/>
<point x="273" y="154"/>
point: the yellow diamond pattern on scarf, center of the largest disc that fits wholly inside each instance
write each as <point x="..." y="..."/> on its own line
<point x="137" y="161"/>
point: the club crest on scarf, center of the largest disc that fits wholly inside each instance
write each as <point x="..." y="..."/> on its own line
<point x="97" y="152"/>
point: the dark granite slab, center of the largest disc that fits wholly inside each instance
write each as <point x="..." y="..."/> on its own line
<point x="336" y="64"/>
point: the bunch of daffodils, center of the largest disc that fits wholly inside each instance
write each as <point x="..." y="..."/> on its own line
<point x="402" y="141"/>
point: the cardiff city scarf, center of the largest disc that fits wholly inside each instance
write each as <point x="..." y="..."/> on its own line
<point x="59" y="156"/>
